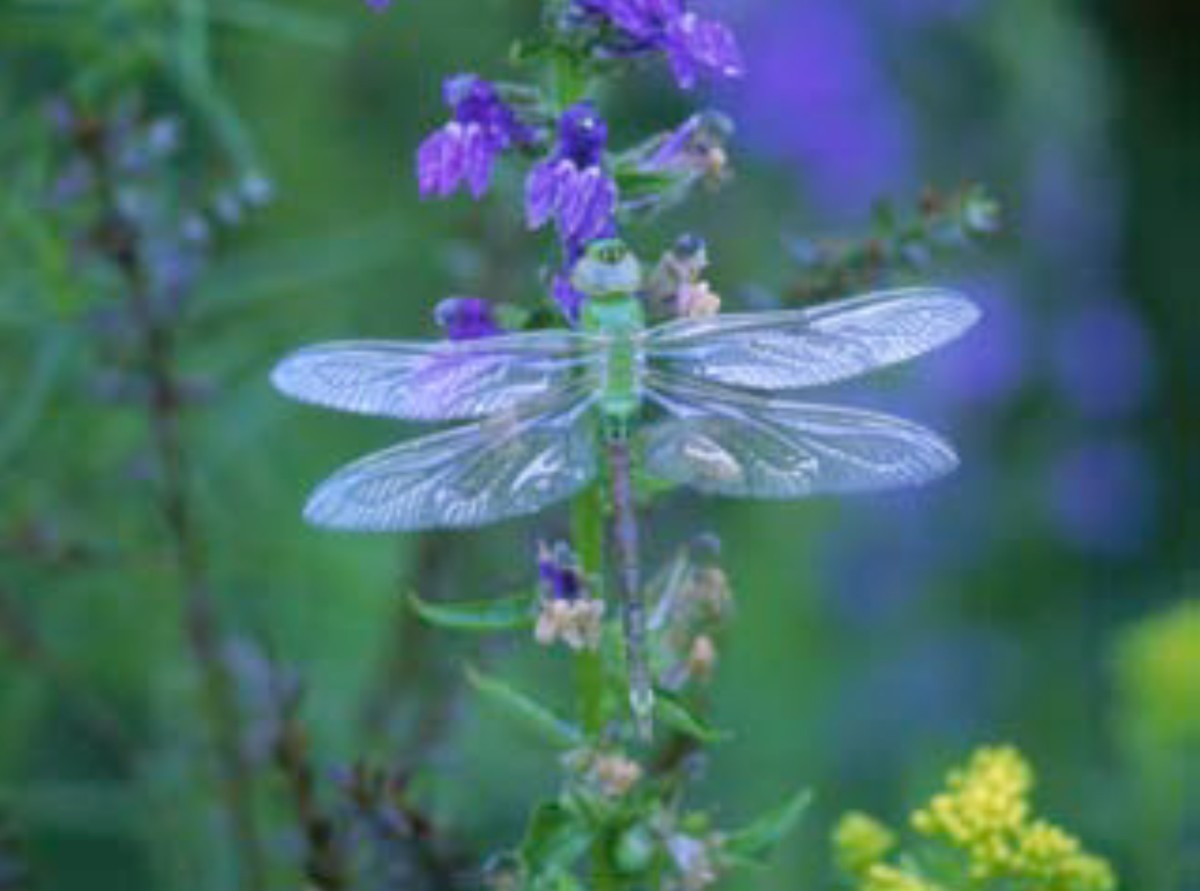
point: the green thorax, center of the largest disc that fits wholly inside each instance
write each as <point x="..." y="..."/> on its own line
<point x="618" y="319"/>
<point x="610" y="276"/>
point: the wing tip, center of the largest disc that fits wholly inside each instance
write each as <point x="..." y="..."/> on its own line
<point x="281" y="376"/>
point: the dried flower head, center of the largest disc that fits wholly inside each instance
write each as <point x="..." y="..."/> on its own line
<point x="709" y="589"/>
<point x="697" y="300"/>
<point x="614" y="775"/>
<point x="702" y="660"/>
<point x="576" y="623"/>
<point x="676" y="285"/>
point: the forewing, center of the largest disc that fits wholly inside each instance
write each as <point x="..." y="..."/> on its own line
<point x="748" y="446"/>
<point x="509" y="465"/>
<point x="440" y="381"/>
<point x="791" y="349"/>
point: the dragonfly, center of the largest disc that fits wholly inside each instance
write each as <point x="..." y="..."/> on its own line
<point x="706" y="403"/>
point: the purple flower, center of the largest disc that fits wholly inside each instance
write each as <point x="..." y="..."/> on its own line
<point x="465" y="149"/>
<point x="995" y="365"/>
<point x="820" y="97"/>
<point x="558" y="572"/>
<point x="692" y="44"/>
<point x="571" y="186"/>
<point x="565" y="295"/>
<point x="1103" y="361"/>
<point x="1101" y="496"/>
<point x="379" y="5"/>
<point x="466" y="318"/>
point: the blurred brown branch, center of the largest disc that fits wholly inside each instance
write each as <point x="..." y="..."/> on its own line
<point x="941" y="223"/>
<point x="117" y="237"/>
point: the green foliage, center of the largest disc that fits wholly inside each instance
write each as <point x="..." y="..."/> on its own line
<point x="498" y="614"/>
<point x="525" y="710"/>
<point x="675" y="715"/>
<point x="757" y="841"/>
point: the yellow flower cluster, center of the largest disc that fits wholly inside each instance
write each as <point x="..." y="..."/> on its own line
<point x="881" y="877"/>
<point x="1158" y="672"/>
<point x="860" y="842"/>
<point x="985" y="813"/>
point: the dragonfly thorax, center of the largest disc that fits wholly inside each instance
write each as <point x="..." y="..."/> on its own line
<point x="619" y="322"/>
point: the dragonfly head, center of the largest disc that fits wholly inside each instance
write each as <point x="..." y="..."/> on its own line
<point x="608" y="268"/>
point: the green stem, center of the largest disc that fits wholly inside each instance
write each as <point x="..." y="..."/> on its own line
<point x="587" y="533"/>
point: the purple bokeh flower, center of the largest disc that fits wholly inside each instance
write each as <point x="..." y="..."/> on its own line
<point x="466" y="318"/>
<point x="993" y="366"/>
<point x="919" y="13"/>
<point x="1101" y="496"/>
<point x="692" y="44"/>
<point x="818" y="97"/>
<point x="378" y="5"/>
<point x="1102" y="361"/>
<point x="483" y="126"/>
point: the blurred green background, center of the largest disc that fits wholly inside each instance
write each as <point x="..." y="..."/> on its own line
<point x="876" y="640"/>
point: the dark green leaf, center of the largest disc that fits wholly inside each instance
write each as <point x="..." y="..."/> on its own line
<point x="755" y="843"/>
<point x="525" y="710"/>
<point x="496" y="614"/>
<point x="676" y="715"/>
<point x="640" y="183"/>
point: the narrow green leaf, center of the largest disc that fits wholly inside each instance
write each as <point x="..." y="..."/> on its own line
<point x="525" y="710"/>
<point x="497" y="614"/>
<point x="674" y="714"/>
<point x="635" y="183"/>
<point x="755" y="843"/>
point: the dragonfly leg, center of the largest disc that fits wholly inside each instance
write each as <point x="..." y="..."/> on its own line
<point x="633" y="606"/>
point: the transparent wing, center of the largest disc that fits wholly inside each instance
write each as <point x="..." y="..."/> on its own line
<point x="512" y="464"/>
<point x="743" y="445"/>
<point x="438" y="381"/>
<point x="791" y="349"/>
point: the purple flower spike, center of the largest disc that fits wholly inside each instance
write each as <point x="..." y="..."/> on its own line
<point x="571" y="186"/>
<point x="465" y="150"/>
<point x="466" y="318"/>
<point x="692" y="44"/>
